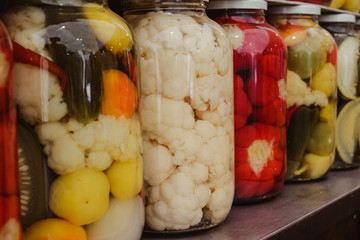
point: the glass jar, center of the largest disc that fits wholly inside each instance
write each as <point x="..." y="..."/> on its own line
<point x="311" y="91"/>
<point x="187" y="111"/>
<point x="10" y="226"/>
<point x="78" y="95"/>
<point x="259" y="55"/>
<point x="357" y="27"/>
<point x="341" y="26"/>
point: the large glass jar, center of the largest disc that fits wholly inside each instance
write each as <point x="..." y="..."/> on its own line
<point x="78" y="95"/>
<point x="259" y="56"/>
<point x="341" y="26"/>
<point x="187" y="114"/>
<point x="311" y="91"/>
<point x="10" y="226"/>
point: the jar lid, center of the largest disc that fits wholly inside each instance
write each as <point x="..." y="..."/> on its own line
<point x="237" y="4"/>
<point x="340" y="17"/>
<point x="307" y="9"/>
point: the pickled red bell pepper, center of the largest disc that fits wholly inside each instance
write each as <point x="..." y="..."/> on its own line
<point x="25" y="55"/>
<point x="259" y="159"/>
<point x="261" y="89"/>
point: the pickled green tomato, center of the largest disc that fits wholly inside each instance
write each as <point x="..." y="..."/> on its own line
<point x="307" y="57"/>
<point x="322" y="140"/>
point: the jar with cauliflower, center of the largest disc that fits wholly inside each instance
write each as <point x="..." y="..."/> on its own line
<point x="259" y="98"/>
<point x="78" y="95"/>
<point x="10" y="226"/>
<point x="347" y="133"/>
<point x="311" y="91"/>
<point x="187" y="114"/>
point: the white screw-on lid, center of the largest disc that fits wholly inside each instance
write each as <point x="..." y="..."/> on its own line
<point x="237" y="4"/>
<point x="307" y="9"/>
<point x="340" y="17"/>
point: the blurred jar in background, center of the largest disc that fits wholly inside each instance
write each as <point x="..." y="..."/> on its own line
<point x="341" y="26"/>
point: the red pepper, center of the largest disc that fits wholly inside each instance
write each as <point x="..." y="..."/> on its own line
<point x="276" y="44"/>
<point x="25" y="55"/>
<point x="259" y="159"/>
<point x="250" y="53"/>
<point x="9" y="209"/>
<point x="272" y="66"/>
<point x="273" y="113"/>
<point x="261" y="89"/>
<point x="238" y="83"/>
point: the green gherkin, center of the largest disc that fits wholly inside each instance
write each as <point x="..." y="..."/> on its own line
<point x="299" y="132"/>
<point x="74" y="47"/>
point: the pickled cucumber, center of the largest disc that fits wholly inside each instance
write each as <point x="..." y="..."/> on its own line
<point x="307" y="57"/>
<point x="32" y="176"/>
<point x="74" y="47"/>
<point x="299" y="133"/>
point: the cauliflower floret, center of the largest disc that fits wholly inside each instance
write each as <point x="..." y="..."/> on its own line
<point x="98" y="160"/>
<point x="72" y="145"/>
<point x="39" y="97"/>
<point x="171" y="79"/>
<point x="298" y="93"/>
<point x="158" y="110"/>
<point x="26" y="25"/>
<point x="180" y="206"/>
<point x="220" y="202"/>
<point x="64" y="154"/>
<point x="157" y="163"/>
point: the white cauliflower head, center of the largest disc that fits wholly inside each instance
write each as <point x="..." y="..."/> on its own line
<point x="38" y="94"/>
<point x="298" y="93"/>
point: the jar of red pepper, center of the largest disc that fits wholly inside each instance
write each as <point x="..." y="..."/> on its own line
<point x="259" y="56"/>
<point x="341" y="26"/>
<point x="77" y="95"/>
<point x="311" y="91"/>
<point x="10" y="226"/>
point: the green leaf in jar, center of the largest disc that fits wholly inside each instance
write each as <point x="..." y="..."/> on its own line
<point x="306" y="57"/>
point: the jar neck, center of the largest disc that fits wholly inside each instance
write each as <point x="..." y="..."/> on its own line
<point x="62" y="3"/>
<point x="144" y="6"/>
<point x="256" y="16"/>
<point x="346" y="28"/>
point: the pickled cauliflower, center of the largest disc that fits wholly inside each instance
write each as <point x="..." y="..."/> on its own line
<point x="298" y="93"/>
<point x="187" y="111"/>
<point x="70" y="147"/>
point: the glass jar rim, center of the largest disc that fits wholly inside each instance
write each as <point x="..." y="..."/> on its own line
<point x="340" y="17"/>
<point x="235" y="4"/>
<point x="304" y="9"/>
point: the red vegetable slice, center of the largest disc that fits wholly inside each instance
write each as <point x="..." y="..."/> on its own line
<point x="245" y="136"/>
<point x="25" y="55"/>
<point x="274" y="113"/>
<point x="247" y="183"/>
<point x="261" y="89"/>
<point x="272" y="66"/>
